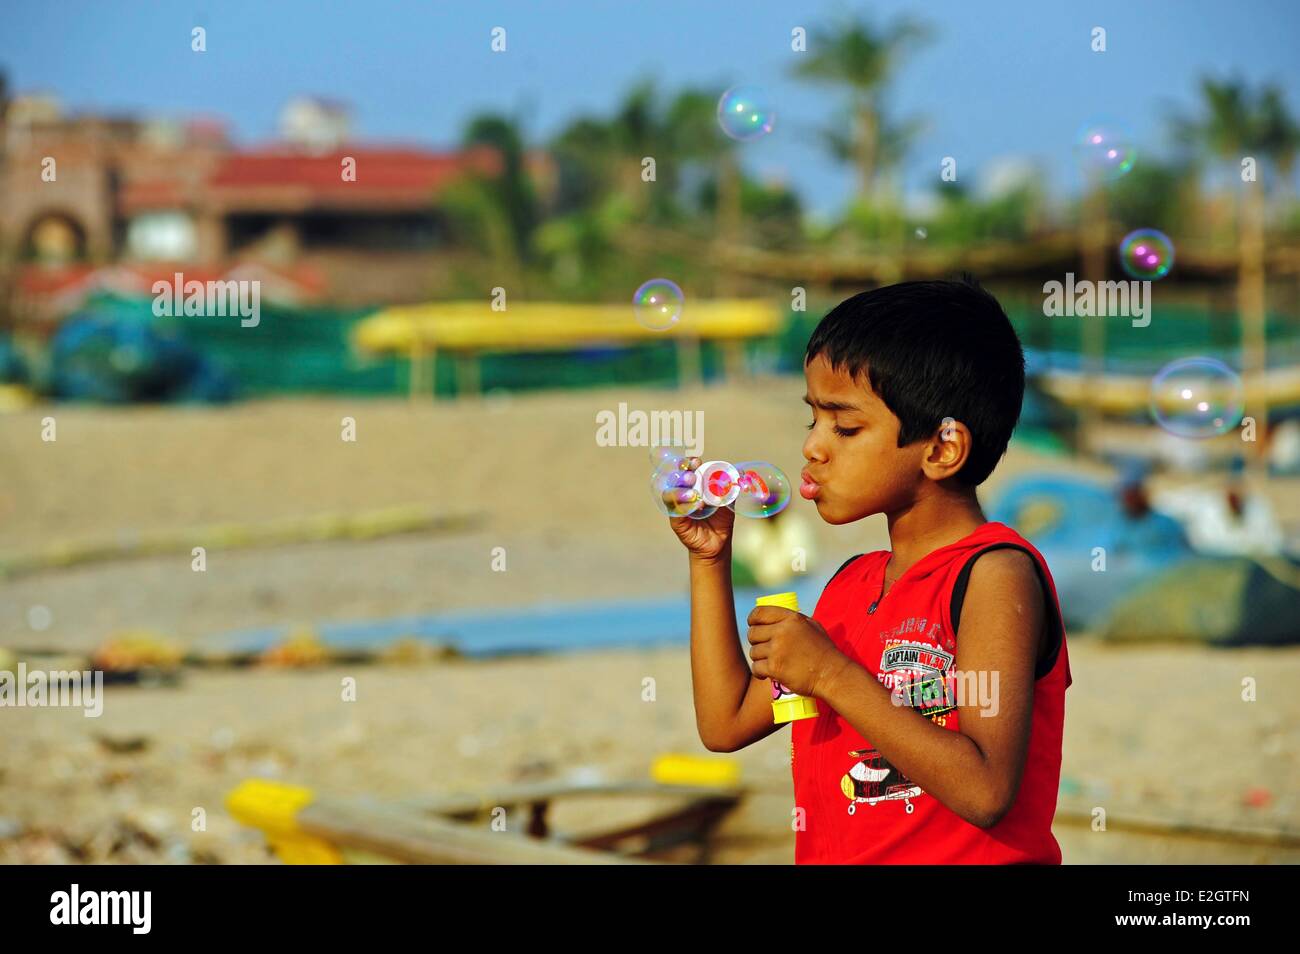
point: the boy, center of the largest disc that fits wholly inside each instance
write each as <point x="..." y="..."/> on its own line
<point x="940" y="665"/>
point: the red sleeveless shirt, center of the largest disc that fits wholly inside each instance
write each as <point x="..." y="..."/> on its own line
<point x="860" y="809"/>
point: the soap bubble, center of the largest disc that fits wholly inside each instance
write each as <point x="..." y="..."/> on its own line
<point x="658" y="304"/>
<point x="666" y="455"/>
<point x="745" y="113"/>
<point x="921" y="233"/>
<point x="1197" y="397"/>
<point x="764" y="489"/>
<point x="1146" y="254"/>
<point x="719" y="483"/>
<point x="676" y="492"/>
<point x="1105" y="149"/>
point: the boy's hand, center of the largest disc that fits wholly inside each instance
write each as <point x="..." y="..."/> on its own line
<point x="792" y="649"/>
<point x="708" y="540"/>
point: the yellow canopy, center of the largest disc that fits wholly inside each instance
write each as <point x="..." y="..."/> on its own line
<point x="474" y="326"/>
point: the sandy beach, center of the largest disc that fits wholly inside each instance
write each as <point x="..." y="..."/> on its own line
<point x="1152" y="732"/>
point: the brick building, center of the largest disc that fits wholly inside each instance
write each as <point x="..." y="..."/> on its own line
<point x="82" y="193"/>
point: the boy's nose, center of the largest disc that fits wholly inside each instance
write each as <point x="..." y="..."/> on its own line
<point x="812" y="449"/>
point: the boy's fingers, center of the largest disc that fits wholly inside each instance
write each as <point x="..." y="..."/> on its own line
<point x="761" y="615"/>
<point x="679" y="495"/>
<point x="758" y="651"/>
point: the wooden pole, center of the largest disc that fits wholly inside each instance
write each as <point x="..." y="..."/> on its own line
<point x="1095" y="242"/>
<point x="416" y="370"/>
<point x="1250" y="304"/>
<point x="690" y="366"/>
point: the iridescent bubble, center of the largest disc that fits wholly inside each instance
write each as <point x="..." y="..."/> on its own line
<point x="658" y="304"/>
<point x="1197" y="397"/>
<point x="1146" y="254"/>
<point x="675" y="492"/>
<point x="719" y="483"/>
<point x="703" y="513"/>
<point x="764" y="489"/>
<point x="1105" y="149"/>
<point x="745" y="113"/>
<point x="667" y="455"/>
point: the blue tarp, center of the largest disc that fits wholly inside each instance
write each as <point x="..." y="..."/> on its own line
<point x="101" y="355"/>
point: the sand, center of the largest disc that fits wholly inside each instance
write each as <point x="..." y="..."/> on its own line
<point x="1150" y="732"/>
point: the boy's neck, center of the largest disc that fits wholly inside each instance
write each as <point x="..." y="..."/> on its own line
<point x="933" y="520"/>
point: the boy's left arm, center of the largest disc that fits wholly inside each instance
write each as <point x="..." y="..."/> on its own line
<point x="976" y="771"/>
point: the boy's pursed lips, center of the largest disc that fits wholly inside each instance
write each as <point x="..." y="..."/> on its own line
<point x="809" y="487"/>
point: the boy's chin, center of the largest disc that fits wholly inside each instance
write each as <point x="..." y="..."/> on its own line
<point x="838" y="516"/>
<point x="832" y="514"/>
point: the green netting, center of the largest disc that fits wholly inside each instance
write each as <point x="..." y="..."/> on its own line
<point x="1175" y="331"/>
<point x="308" y="350"/>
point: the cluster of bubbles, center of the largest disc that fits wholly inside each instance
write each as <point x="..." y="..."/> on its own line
<point x="658" y="304"/>
<point x="1197" y="397"/>
<point x="1146" y="254"/>
<point x="683" y="486"/>
<point x="1105" y="149"/>
<point x="745" y="113"/>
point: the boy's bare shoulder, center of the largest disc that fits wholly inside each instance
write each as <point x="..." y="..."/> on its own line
<point x="1005" y="562"/>
<point x="1005" y="579"/>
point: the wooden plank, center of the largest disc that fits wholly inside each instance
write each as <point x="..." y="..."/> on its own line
<point x="1208" y="829"/>
<point x="689" y="822"/>
<point x="392" y="833"/>
<point x="515" y="795"/>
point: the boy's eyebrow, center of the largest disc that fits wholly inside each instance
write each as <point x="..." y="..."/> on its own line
<point x="830" y="405"/>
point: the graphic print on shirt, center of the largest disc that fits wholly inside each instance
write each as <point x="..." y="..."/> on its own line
<point x="917" y="673"/>
<point x="875" y="780"/>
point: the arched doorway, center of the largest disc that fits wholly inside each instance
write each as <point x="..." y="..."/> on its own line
<point x="55" y="238"/>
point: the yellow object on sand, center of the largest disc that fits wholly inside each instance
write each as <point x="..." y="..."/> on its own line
<point x="301" y="648"/>
<point x="676" y="769"/>
<point x="273" y="807"/>
<point x="137" y="649"/>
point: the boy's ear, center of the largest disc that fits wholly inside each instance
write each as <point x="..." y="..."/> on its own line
<point x="947" y="450"/>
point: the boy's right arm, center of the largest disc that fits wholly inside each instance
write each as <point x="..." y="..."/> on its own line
<point x="733" y="708"/>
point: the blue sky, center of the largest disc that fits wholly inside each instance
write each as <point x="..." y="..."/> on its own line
<point x="1004" y="78"/>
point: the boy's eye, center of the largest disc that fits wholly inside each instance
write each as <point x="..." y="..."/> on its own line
<point x="841" y="431"/>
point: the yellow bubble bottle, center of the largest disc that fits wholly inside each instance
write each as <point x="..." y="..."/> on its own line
<point x="787" y="706"/>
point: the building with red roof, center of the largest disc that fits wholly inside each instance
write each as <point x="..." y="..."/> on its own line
<point x="330" y="219"/>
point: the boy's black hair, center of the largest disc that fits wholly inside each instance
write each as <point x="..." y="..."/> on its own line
<point x="932" y="350"/>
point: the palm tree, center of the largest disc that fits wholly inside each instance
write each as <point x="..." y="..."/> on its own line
<point x="605" y="202"/>
<point x="512" y="189"/>
<point x="1280" y="136"/>
<point x="858" y="56"/>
